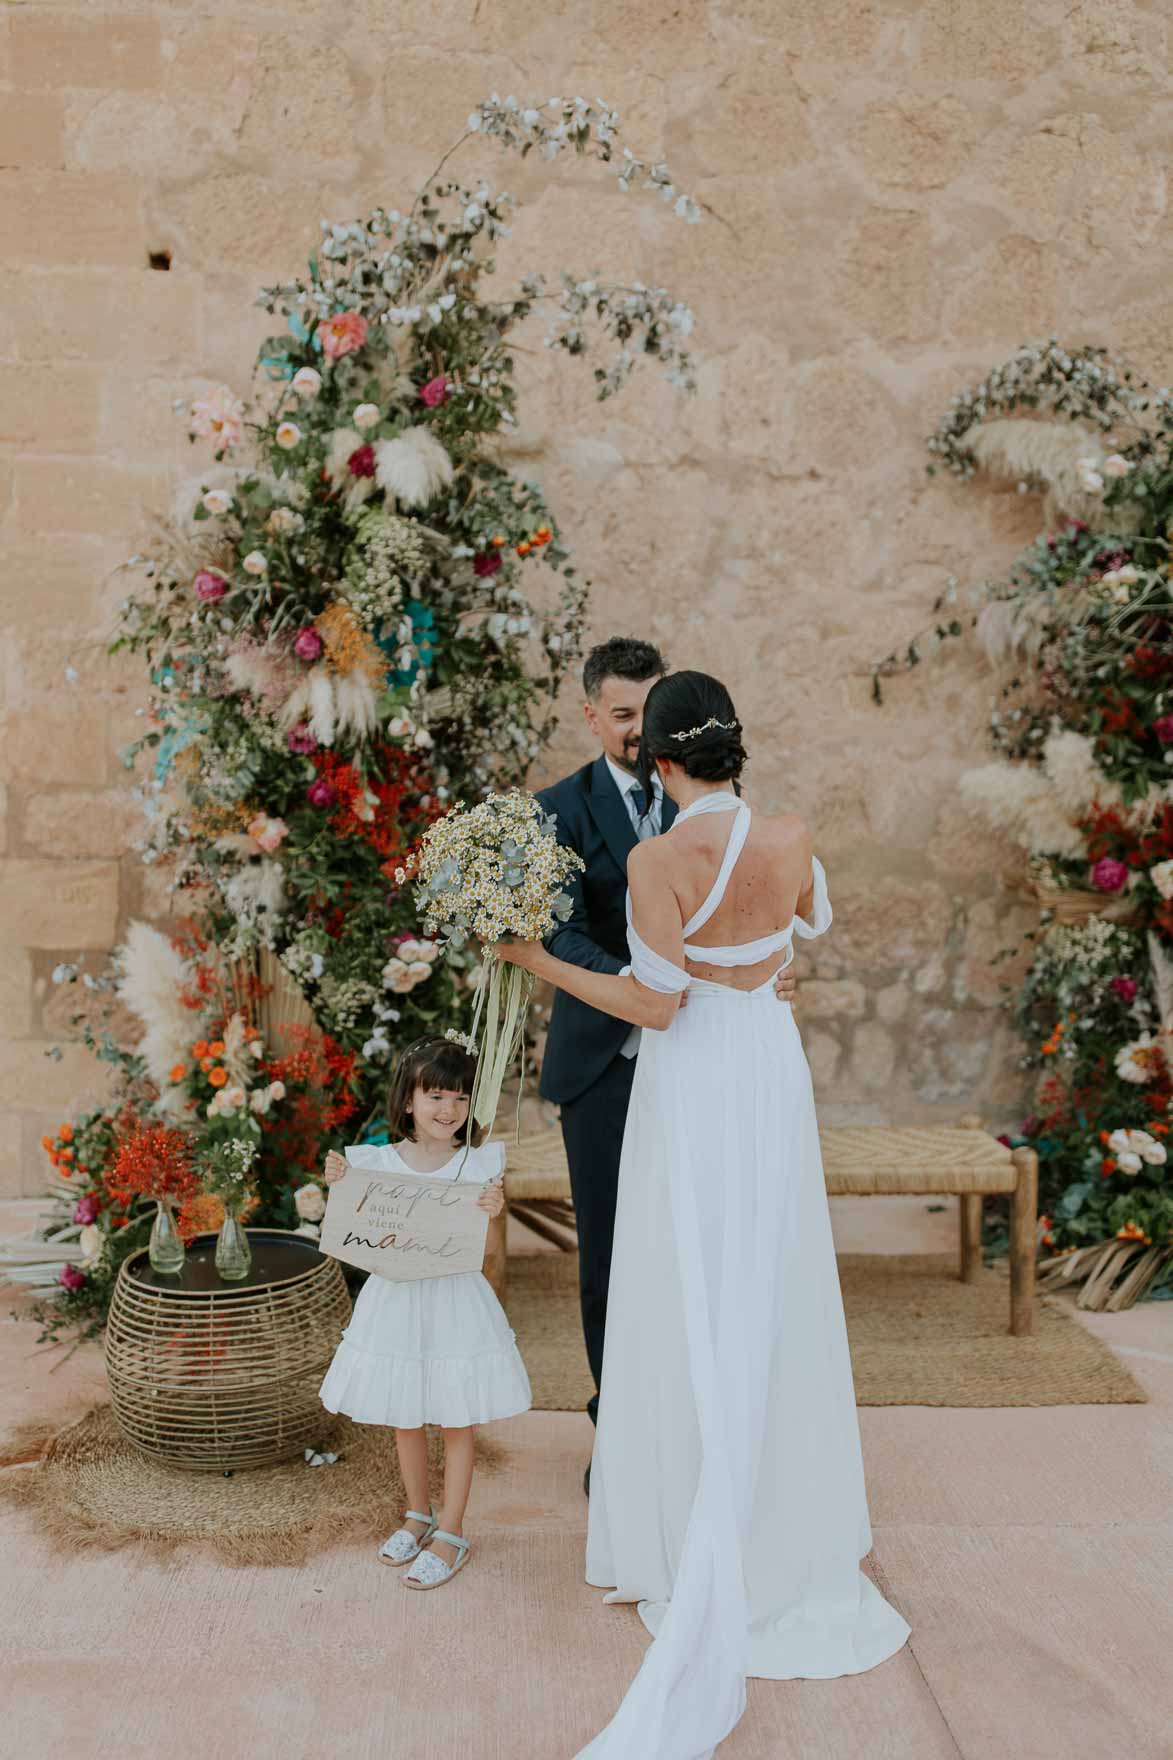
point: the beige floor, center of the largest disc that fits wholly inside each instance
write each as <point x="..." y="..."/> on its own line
<point x="1032" y="1552"/>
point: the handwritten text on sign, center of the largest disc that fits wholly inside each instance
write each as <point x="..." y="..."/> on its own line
<point x="403" y="1226"/>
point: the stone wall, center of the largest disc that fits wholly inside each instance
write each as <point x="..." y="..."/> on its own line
<point x="898" y="192"/>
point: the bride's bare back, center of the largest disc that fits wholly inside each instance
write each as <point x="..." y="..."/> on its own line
<point x="771" y="883"/>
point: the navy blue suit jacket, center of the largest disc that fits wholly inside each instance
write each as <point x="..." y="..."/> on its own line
<point x="592" y="820"/>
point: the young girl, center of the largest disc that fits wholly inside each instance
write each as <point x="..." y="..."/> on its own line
<point x="437" y="1350"/>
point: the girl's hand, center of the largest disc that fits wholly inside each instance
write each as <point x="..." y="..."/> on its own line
<point x="336" y="1167"/>
<point x="527" y="954"/>
<point x="492" y="1198"/>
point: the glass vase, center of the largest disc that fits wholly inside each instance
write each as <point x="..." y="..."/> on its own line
<point x="234" y="1256"/>
<point x="166" y="1251"/>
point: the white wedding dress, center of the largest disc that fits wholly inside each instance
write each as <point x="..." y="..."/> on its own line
<point x="727" y="1489"/>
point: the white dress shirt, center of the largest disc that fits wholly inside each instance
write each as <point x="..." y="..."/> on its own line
<point x="648" y="826"/>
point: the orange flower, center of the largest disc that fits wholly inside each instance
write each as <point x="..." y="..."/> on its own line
<point x="216" y="1048"/>
<point x="65" y="1154"/>
<point x="178" y="1071"/>
<point x="1107" y="1166"/>
<point x="1105" y="1136"/>
<point x="119" y="1221"/>
<point x="498" y="543"/>
<point x="1159" y="1130"/>
<point x="543" y="535"/>
<point x="524" y="549"/>
<point x="200" y="1048"/>
<point x="66" y="1133"/>
<point x="1133" y="1232"/>
<point x="205" y="1064"/>
<point x="48" y="1145"/>
<point x="218" y="1078"/>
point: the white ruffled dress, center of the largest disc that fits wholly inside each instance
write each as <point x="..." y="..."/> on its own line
<point x="436" y="1350"/>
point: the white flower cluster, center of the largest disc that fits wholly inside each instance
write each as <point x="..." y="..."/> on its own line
<point x="1140" y="1061"/>
<point x="588" y="128"/>
<point x="387" y="552"/>
<point x="344" y="1000"/>
<point x="493" y="870"/>
<point x="1136" y="1149"/>
<point x="412" y="964"/>
<point x="647" y="313"/>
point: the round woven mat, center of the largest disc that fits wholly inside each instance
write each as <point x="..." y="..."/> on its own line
<point x="92" y="1488"/>
<point x="918" y="1335"/>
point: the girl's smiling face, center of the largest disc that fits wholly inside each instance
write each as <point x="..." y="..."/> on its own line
<point x="437" y="1114"/>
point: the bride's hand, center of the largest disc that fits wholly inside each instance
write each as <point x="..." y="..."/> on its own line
<point x="527" y="954"/>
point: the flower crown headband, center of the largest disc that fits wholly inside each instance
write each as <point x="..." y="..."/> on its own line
<point x="695" y="732"/>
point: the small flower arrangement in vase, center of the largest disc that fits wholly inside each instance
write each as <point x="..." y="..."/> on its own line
<point x="158" y="1162"/>
<point x="225" y="1168"/>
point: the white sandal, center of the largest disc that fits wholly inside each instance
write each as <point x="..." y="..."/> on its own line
<point x="431" y="1572"/>
<point x="402" y="1546"/>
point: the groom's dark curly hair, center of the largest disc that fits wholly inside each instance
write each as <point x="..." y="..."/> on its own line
<point x="621" y="657"/>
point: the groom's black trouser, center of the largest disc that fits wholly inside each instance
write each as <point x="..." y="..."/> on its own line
<point x="592" y="1129"/>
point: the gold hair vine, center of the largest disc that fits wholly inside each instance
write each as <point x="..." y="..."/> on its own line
<point x="694" y="732"/>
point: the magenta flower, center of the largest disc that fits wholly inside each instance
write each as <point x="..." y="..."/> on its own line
<point x="488" y="562"/>
<point x="85" y="1210"/>
<point x="435" y="392"/>
<point x="1109" y="875"/>
<point x="308" y="645"/>
<point x="321" y="793"/>
<point x="299" y="739"/>
<point x="208" y="587"/>
<point x="1125" y="989"/>
<point x="1163" y="728"/>
<point x="361" y="462"/>
<point x="72" y="1279"/>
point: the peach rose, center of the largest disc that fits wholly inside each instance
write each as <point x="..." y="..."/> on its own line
<point x="342" y="334"/>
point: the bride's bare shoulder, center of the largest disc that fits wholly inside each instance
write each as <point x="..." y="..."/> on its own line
<point x="788" y="832"/>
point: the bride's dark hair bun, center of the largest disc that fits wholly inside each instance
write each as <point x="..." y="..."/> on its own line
<point x="689" y="717"/>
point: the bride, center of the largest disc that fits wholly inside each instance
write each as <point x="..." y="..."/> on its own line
<point x="727" y="1490"/>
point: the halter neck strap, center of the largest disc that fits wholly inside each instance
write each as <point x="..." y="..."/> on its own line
<point x="721" y="802"/>
<point x="733" y="848"/>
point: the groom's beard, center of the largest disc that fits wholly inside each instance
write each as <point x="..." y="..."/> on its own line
<point x="630" y="758"/>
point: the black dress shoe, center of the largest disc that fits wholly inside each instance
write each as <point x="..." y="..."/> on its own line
<point x="586" y="1480"/>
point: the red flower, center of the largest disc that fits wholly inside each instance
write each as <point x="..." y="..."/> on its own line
<point x="487" y="563"/>
<point x="361" y="462"/>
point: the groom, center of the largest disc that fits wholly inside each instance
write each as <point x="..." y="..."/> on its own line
<point x="590" y="1057"/>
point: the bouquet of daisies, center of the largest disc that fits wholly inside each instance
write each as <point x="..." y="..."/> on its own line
<point x="484" y="873"/>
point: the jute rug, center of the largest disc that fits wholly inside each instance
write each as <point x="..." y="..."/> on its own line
<point x="90" y="1488"/>
<point x="919" y="1337"/>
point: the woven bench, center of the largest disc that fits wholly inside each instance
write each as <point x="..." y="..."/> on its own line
<point x="858" y="1161"/>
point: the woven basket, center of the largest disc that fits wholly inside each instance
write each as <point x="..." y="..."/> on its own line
<point x="222" y="1379"/>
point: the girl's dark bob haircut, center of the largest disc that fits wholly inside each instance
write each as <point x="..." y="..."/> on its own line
<point x="434" y="1062"/>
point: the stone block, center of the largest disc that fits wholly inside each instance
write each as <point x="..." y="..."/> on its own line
<point x="51" y="587"/>
<point x="56" y="742"/>
<point x="77" y="824"/>
<point x="209" y="62"/>
<point x="1004" y="41"/>
<point x="102" y="316"/>
<point x="93" y="496"/>
<point x="53" y="412"/>
<point x="31" y="130"/>
<point x="873" y="1057"/>
<point x="16" y="993"/>
<point x="123" y="131"/>
<point x="892" y="1003"/>
<point x="72" y="218"/>
<point x="58" y="904"/>
<point x="826" y="999"/>
<point x="280" y="128"/>
<point x="101" y="50"/>
<point x="29" y="1069"/>
<point x="913" y="142"/>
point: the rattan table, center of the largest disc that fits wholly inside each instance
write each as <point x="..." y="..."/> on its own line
<point x="213" y="1376"/>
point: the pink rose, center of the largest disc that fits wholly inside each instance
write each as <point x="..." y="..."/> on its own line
<point x="1109" y="875"/>
<point x="299" y="739"/>
<point x="321" y="793"/>
<point x="435" y="392"/>
<point x="268" y="834"/>
<point x="308" y="645"/>
<point x="85" y="1210"/>
<point x="488" y="562"/>
<point x="219" y="417"/>
<point x="1125" y="989"/>
<point x="1163" y="728"/>
<point x="208" y="587"/>
<point x="342" y="334"/>
<point x="361" y="462"/>
<point x="72" y="1279"/>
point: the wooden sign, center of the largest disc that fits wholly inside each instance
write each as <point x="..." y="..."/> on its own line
<point x="403" y="1225"/>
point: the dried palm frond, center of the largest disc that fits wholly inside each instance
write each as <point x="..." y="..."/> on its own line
<point x="1047" y="455"/>
<point x="273" y="1000"/>
<point x="1113" y="1274"/>
<point x="153" y="979"/>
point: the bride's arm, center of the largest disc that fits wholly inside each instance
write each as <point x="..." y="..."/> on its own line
<point x="656" y="916"/>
